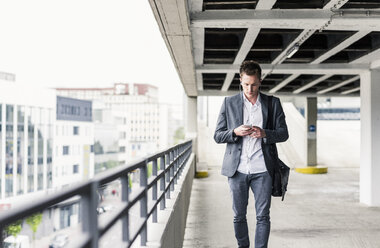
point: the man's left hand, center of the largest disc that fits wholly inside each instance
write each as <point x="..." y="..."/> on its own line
<point x="257" y="132"/>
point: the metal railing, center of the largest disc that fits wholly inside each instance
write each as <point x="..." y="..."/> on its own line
<point x="171" y="161"/>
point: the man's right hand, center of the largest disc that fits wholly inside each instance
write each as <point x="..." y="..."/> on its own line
<point x="243" y="131"/>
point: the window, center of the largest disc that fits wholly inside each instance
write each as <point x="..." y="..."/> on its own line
<point x="75" y="168"/>
<point x="65" y="150"/>
<point x="122" y="149"/>
<point x="76" y="130"/>
<point x="92" y="148"/>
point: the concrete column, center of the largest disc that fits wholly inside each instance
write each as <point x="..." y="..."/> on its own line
<point x="191" y="121"/>
<point x="311" y="129"/>
<point x="191" y="116"/>
<point x="370" y="138"/>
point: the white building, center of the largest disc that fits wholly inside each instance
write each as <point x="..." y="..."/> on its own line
<point x="106" y="145"/>
<point x="26" y="141"/>
<point x="137" y="106"/>
<point x="73" y="142"/>
<point x="45" y="143"/>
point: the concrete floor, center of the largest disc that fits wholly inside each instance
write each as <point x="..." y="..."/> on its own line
<point x="318" y="211"/>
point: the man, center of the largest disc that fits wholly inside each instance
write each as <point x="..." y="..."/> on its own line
<point x="249" y="160"/>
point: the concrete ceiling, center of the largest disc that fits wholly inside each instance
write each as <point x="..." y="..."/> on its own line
<point x="208" y="40"/>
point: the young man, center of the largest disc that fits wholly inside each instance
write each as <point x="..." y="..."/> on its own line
<point x="249" y="161"/>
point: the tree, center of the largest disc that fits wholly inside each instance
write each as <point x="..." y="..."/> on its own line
<point x="179" y="135"/>
<point x="14" y="229"/>
<point x="34" y="221"/>
<point x="98" y="148"/>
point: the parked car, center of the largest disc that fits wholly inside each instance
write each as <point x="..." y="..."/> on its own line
<point x="21" y="241"/>
<point x="100" y="210"/>
<point x="59" y="241"/>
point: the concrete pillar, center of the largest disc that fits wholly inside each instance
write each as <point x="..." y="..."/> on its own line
<point x="370" y="138"/>
<point x="311" y="129"/>
<point x="191" y="121"/>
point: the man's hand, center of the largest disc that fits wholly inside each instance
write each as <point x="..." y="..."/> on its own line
<point x="257" y="132"/>
<point x="243" y="130"/>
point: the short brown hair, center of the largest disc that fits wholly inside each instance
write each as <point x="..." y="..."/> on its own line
<point x="250" y="68"/>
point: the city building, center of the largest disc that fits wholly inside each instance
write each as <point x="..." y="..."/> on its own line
<point x="106" y="144"/>
<point x="26" y="135"/>
<point x="137" y="108"/>
<point x="73" y="142"/>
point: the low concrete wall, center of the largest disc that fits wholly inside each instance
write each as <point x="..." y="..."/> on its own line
<point x="170" y="229"/>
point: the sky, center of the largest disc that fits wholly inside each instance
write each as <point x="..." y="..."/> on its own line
<point x="82" y="43"/>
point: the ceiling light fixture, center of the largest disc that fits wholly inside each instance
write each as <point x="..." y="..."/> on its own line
<point x="292" y="50"/>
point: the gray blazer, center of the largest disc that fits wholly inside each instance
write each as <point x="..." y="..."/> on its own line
<point x="231" y="117"/>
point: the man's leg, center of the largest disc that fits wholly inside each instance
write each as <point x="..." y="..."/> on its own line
<point x="261" y="185"/>
<point x="239" y="188"/>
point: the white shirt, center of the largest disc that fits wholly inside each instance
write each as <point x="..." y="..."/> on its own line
<point x="251" y="158"/>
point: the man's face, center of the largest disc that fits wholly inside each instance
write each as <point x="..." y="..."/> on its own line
<point x="250" y="85"/>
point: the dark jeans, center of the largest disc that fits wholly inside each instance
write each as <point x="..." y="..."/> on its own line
<point x="261" y="185"/>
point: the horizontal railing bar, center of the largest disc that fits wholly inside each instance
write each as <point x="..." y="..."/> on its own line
<point x="40" y="204"/>
<point x="115" y="173"/>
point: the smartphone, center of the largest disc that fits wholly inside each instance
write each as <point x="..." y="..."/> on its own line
<point x="247" y="126"/>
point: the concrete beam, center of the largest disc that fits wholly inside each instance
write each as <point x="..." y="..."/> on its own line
<point x="284" y="83"/>
<point x="312" y="83"/>
<point x="287" y="19"/>
<point x="289" y="94"/>
<point x="246" y="46"/>
<point x="372" y="56"/>
<point x="172" y="17"/>
<point x="198" y="39"/>
<point x="349" y="69"/>
<point x="350" y="91"/>
<point x="344" y="44"/>
<point x="249" y="40"/>
<point x="338" y="85"/>
<point x="335" y="4"/>
<point x="265" y="4"/>
<point x="302" y="37"/>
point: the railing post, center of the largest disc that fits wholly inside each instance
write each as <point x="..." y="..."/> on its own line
<point x="154" y="191"/>
<point x="181" y="160"/>
<point x="175" y="153"/>
<point x="167" y="175"/>
<point x="144" y="202"/>
<point x="162" y="182"/>
<point x="2" y="237"/>
<point x="125" y="199"/>
<point x="171" y="155"/>
<point x="89" y="203"/>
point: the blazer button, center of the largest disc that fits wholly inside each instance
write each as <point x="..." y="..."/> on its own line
<point x="239" y="149"/>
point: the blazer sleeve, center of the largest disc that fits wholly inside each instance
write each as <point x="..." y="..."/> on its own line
<point x="222" y="133"/>
<point x="280" y="132"/>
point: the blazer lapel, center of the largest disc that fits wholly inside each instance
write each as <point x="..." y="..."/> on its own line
<point x="264" y="108"/>
<point x="240" y="109"/>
